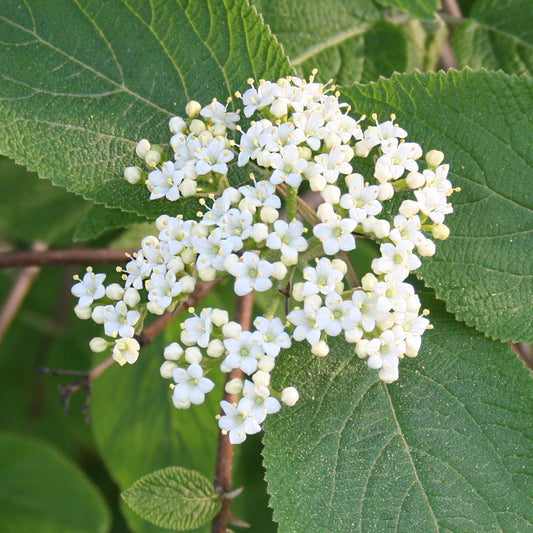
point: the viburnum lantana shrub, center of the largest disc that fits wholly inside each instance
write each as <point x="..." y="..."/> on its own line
<point x="264" y="237"/>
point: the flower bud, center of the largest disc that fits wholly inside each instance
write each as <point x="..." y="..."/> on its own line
<point x="331" y="194"/>
<point x="218" y="129"/>
<point x="412" y="345"/>
<point x="280" y="270"/>
<point x="233" y="194"/>
<point x="154" y="308"/>
<point x="269" y="214"/>
<point x="353" y="335"/>
<point x="279" y="108"/>
<point x="177" y="125"/>
<point x="259" y="232"/>
<point x="167" y="368"/>
<point x="266" y="363"/>
<point x="427" y="248"/>
<point x="189" y="172"/>
<point x="188" y="283"/>
<point x="142" y="148"/>
<point x="332" y="141"/>
<point x="234" y="386"/>
<point x="298" y="292"/>
<point x="415" y="180"/>
<point x="114" y="291"/>
<point x="360" y="348"/>
<point x="385" y="191"/>
<point x="98" y="345"/>
<point x="408" y="208"/>
<point x="207" y="273"/>
<point x="434" y="158"/>
<point x="317" y="182"/>
<point x="440" y="231"/>
<point x="230" y="260"/>
<point x="193" y="108"/>
<point x="231" y="330"/>
<point x="188" y="256"/>
<point x="83" y="313"/>
<point x="132" y="175"/>
<point x="215" y="348"/>
<point x="320" y="349"/>
<point x="98" y="315"/>
<point x="193" y="355"/>
<point x="197" y="127"/>
<point x="368" y="281"/>
<point x="152" y="158"/>
<point x="246" y="205"/>
<point x="289" y="396"/>
<point x="305" y="152"/>
<point x="173" y="351"/>
<point x="219" y="317"/>
<point x="261" y="378"/>
<point x="263" y="158"/>
<point x="362" y="149"/>
<point x="188" y="187"/>
<point x="380" y="228"/>
<point x="340" y="265"/>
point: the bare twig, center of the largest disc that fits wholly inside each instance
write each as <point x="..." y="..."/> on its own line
<point x="19" y="291"/>
<point x="224" y="464"/>
<point x="447" y="58"/>
<point x="71" y="256"/>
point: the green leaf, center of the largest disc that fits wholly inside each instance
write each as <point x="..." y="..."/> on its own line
<point x="497" y="36"/>
<point x="77" y="91"/>
<point x="40" y="490"/>
<point x="99" y="219"/>
<point x="480" y="121"/>
<point x="448" y="447"/>
<point x="33" y="209"/>
<point x="347" y="41"/>
<point x="174" y="497"/>
<point x="424" y="9"/>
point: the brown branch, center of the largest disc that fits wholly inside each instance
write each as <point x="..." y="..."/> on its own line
<point x="70" y="256"/>
<point x="447" y="59"/>
<point x="144" y="338"/>
<point x="224" y="464"/>
<point x="18" y="292"/>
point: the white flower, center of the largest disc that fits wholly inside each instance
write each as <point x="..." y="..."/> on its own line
<point x="212" y="251"/>
<point x="118" y="320"/>
<point x="335" y="163"/>
<point x="433" y="203"/>
<point x="261" y="401"/>
<point x="254" y="99"/>
<point x="289" y="239"/>
<point x="288" y="166"/>
<point x="219" y="114"/>
<point x="243" y="352"/>
<point x="238" y="420"/>
<point x="381" y="133"/>
<point x="163" y="286"/>
<point x="361" y="199"/>
<point x="305" y="322"/>
<point x="321" y="280"/>
<point x="236" y="226"/>
<point x="312" y="124"/>
<point x="251" y="273"/>
<point x="165" y="182"/>
<point x="263" y="193"/>
<point x="396" y="158"/>
<point x="213" y="157"/>
<point x="274" y="335"/>
<point x="335" y="232"/>
<point x="90" y="288"/>
<point x="126" y="350"/>
<point x="397" y="260"/>
<point x="197" y="329"/>
<point x="191" y="386"/>
<point x="252" y="142"/>
<point x="374" y="307"/>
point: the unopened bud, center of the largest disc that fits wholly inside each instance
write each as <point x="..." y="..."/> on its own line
<point x="408" y="208"/>
<point x="269" y="214"/>
<point x="266" y="363"/>
<point x="98" y="345"/>
<point x="234" y="386"/>
<point x="193" y="355"/>
<point x="215" y="348"/>
<point x="197" y="127"/>
<point x="440" y="232"/>
<point x="173" y="351"/>
<point x="289" y="396"/>
<point x="415" y="180"/>
<point x="188" y="187"/>
<point x="207" y="273"/>
<point x="320" y="349"/>
<point x="132" y="175"/>
<point x="142" y="148"/>
<point x="231" y="330"/>
<point x="193" y="108"/>
<point x="152" y="158"/>
<point x="114" y="291"/>
<point x="261" y="378"/>
<point x="219" y="317"/>
<point x="427" y="248"/>
<point x="177" y="125"/>
<point x="83" y="313"/>
<point x="434" y="158"/>
<point x="385" y="191"/>
<point x="340" y="265"/>
<point x="167" y="368"/>
<point x="280" y="270"/>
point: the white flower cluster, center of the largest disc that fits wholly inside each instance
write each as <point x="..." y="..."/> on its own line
<point x="264" y="238"/>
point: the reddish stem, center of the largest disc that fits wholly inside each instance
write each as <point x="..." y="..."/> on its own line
<point x="71" y="256"/>
<point x="224" y="464"/>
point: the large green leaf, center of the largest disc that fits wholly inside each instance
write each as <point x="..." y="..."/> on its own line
<point x="448" y="447"/>
<point x="40" y="490"/>
<point x="33" y="209"/>
<point x="347" y="41"/>
<point x="424" y="9"/>
<point x="481" y="121"/>
<point x="497" y="36"/>
<point x="81" y="82"/>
